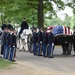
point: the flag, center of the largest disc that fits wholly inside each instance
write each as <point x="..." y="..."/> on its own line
<point x="61" y="30"/>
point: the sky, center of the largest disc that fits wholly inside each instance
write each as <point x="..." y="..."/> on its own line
<point x="68" y="11"/>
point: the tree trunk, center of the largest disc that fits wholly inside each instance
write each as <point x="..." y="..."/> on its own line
<point x="40" y="14"/>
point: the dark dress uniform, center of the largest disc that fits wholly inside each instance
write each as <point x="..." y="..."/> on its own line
<point x="7" y="44"/>
<point x="24" y="25"/>
<point x="4" y="43"/>
<point x="9" y="26"/>
<point x="74" y="42"/>
<point x="12" y="45"/>
<point x="45" y="42"/>
<point x="34" y="41"/>
<point x="2" y="46"/>
<point x="3" y="26"/>
<point x="51" y="44"/>
<point x="39" y="35"/>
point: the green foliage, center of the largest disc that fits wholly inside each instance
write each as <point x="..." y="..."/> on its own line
<point x="5" y="63"/>
<point x="53" y="22"/>
<point x="68" y="21"/>
<point x="15" y="10"/>
<point x="73" y="21"/>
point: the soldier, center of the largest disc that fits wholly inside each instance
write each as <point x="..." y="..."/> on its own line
<point x="24" y="25"/>
<point x="12" y="45"/>
<point x="9" y="26"/>
<point x="3" y="27"/>
<point x="74" y="40"/>
<point x="7" y="43"/>
<point x="51" y="44"/>
<point x="34" y="40"/>
<point x="39" y="35"/>
<point x="45" y="41"/>
<point x="4" y="39"/>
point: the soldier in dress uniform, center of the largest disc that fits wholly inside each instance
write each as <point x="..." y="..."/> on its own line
<point x="51" y="44"/>
<point x="34" y="40"/>
<point x="9" y="26"/>
<point x="12" y="44"/>
<point x="7" y="43"/>
<point x="3" y="27"/>
<point x="24" y="25"/>
<point x="4" y="39"/>
<point x="39" y="35"/>
<point x="45" y="41"/>
<point x="74" y="40"/>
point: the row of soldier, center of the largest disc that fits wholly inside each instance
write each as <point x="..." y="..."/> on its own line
<point x="41" y="37"/>
<point x="47" y="41"/>
<point x="8" y="42"/>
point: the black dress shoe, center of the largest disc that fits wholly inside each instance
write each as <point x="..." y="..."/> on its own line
<point x="51" y="57"/>
<point x="74" y="55"/>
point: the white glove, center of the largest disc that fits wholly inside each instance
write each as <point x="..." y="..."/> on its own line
<point x="40" y="41"/>
<point x="52" y="44"/>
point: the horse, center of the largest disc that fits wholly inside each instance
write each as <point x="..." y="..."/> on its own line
<point x="24" y="40"/>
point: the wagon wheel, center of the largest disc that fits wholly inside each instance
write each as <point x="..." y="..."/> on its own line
<point x="69" y="48"/>
<point x="29" y="41"/>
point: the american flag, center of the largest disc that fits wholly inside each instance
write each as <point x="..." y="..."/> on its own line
<point x="60" y="30"/>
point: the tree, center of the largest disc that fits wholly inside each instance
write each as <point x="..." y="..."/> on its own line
<point x="67" y="21"/>
<point x="20" y="8"/>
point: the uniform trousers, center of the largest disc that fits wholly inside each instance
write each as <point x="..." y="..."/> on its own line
<point x="50" y="51"/>
<point x="39" y="51"/>
<point x="74" y="46"/>
<point x="5" y="49"/>
<point x="34" y="48"/>
<point x="7" y="52"/>
<point x="11" y="53"/>
<point x="44" y="50"/>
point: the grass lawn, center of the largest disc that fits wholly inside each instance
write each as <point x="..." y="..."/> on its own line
<point x="5" y="63"/>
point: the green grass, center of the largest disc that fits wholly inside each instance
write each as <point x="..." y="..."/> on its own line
<point x="5" y="63"/>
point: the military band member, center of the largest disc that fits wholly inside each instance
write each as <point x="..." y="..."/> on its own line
<point x="45" y="41"/>
<point x="51" y="44"/>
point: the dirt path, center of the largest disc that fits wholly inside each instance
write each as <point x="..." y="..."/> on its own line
<point x="26" y="68"/>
